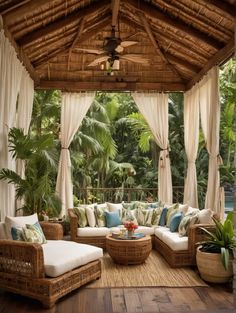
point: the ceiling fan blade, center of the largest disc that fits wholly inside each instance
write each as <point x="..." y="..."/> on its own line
<point x="94" y="51"/>
<point x="128" y="43"/>
<point x="119" y="49"/>
<point x="135" y="58"/>
<point x="99" y="60"/>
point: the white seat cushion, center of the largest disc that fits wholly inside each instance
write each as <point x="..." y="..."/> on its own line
<point x="145" y="230"/>
<point x="174" y="241"/>
<point x="63" y="256"/>
<point x="92" y="231"/>
<point x="160" y="230"/>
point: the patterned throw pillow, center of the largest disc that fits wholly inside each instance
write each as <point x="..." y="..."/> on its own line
<point x="156" y="215"/>
<point x="171" y="211"/>
<point x="99" y="211"/>
<point x="129" y="215"/>
<point x="128" y="205"/>
<point x="90" y="216"/>
<point x="144" y="217"/>
<point x="186" y="222"/>
<point x="29" y="233"/>
<point x="82" y="217"/>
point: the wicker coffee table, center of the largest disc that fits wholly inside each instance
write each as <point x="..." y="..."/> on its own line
<point x="128" y="251"/>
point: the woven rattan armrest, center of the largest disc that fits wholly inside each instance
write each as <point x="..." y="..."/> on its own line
<point x="73" y="224"/>
<point x="52" y="231"/>
<point x="197" y="234"/>
<point x="21" y="258"/>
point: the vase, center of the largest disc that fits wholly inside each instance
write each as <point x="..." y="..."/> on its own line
<point x="130" y="233"/>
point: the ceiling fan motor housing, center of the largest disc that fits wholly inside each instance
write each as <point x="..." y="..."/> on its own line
<point x="111" y="44"/>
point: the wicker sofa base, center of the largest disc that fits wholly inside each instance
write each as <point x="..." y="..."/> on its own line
<point x="174" y="258"/>
<point x="49" y="290"/>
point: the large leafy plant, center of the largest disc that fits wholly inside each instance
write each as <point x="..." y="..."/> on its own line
<point x="221" y="240"/>
<point x="37" y="187"/>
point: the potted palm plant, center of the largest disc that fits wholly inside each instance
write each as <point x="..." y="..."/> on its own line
<point x="214" y="256"/>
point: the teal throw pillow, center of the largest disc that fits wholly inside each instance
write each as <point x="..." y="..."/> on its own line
<point x="162" y="221"/>
<point x="17" y="234"/>
<point x="112" y="219"/>
<point x="175" y="221"/>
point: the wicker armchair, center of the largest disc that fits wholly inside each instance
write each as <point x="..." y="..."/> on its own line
<point x="22" y="270"/>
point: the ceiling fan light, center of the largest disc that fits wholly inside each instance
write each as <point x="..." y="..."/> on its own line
<point x="116" y="65"/>
<point x="108" y="66"/>
<point x="102" y="66"/>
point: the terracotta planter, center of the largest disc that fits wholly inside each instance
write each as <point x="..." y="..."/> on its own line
<point x="211" y="268"/>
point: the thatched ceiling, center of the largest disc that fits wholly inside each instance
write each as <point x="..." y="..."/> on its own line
<point x="180" y="39"/>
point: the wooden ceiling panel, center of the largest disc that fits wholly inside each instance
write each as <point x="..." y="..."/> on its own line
<point x="181" y="40"/>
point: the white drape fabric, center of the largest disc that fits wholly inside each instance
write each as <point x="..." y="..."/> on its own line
<point x="154" y="108"/>
<point x="191" y="138"/>
<point x="24" y="110"/>
<point x="10" y="78"/>
<point x="210" y="121"/>
<point x="74" y="108"/>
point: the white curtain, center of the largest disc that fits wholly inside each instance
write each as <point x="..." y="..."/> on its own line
<point x="210" y="121"/>
<point x="74" y="108"/>
<point x="24" y="110"/>
<point x="154" y="108"/>
<point x="191" y="138"/>
<point x="10" y="78"/>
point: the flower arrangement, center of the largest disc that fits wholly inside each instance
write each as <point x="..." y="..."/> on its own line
<point x="130" y="226"/>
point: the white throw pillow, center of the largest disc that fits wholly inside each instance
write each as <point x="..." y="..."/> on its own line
<point x="90" y="216"/>
<point x="192" y="211"/>
<point x="205" y="216"/>
<point x="19" y="222"/>
<point x="115" y="207"/>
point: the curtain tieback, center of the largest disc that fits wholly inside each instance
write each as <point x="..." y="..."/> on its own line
<point x="164" y="154"/>
<point x="62" y="148"/>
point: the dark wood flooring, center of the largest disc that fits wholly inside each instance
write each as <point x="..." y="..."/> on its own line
<point x="130" y="300"/>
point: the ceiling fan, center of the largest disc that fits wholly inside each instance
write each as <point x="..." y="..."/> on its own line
<point x="111" y="53"/>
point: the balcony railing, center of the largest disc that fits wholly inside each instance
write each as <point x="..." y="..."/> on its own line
<point x="100" y="195"/>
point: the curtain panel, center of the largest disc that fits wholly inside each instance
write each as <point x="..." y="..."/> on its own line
<point x="10" y="79"/>
<point x="74" y="108"/>
<point x="191" y="138"/>
<point x="154" y="108"/>
<point x="210" y="122"/>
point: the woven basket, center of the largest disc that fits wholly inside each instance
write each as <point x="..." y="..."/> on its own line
<point x="211" y="268"/>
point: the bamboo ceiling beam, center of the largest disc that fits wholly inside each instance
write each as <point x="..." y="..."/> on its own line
<point x="62" y="22"/>
<point x="155" y="44"/>
<point x="220" y="57"/>
<point x="172" y="58"/>
<point x="6" y="9"/>
<point x="153" y="12"/>
<point x="223" y="6"/>
<point x="85" y="36"/>
<point x="109" y="86"/>
<point x="25" y="9"/>
<point x="81" y="28"/>
<point x="115" y="6"/>
<point x="22" y="56"/>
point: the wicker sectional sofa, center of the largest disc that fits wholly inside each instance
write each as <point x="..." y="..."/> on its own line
<point x="38" y="271"/>
<point x="178" y="251"/>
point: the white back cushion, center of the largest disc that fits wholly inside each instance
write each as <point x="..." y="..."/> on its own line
<point x="18" y="221"/>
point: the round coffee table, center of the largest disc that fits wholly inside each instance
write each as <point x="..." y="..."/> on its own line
<point x="134" y="251"/>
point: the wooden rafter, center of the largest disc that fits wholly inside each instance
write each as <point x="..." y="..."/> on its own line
<point x="225" y="7"/>
<point x="115" y="6"/>
<point x="108" y="86"/>
<point x="153" y="12"/>
<point x="85" y="36"/>
<point x="5" y="10"/>
<point x="62" y="22"/>
<point x="23" y="10"/>
<point x="220" y="57"/>
<point x="80" y="30"/>
<point x="155" y="44"/>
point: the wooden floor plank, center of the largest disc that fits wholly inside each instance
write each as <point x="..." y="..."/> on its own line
<point x="118" y="300"/>
<point x="132" y="301"/>
<point x="128" y="300"/>
<point x="147" y="300"/>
